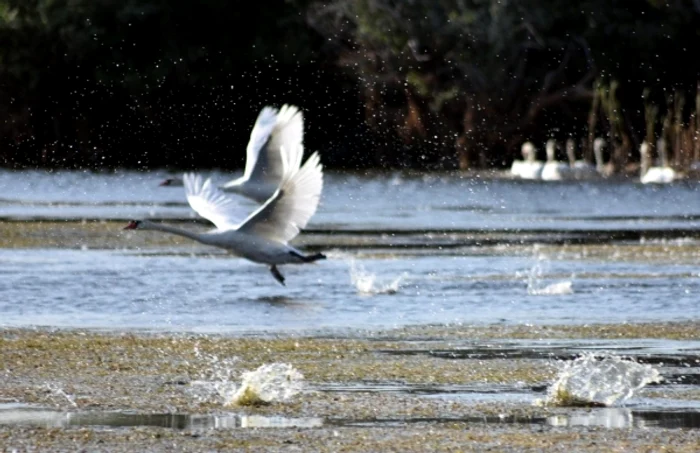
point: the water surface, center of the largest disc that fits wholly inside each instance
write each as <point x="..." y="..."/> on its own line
<point x="464" y="250"/>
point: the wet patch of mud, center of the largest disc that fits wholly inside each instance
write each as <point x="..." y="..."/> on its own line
<point x="109" y="234"/>
<point x="476" y="392"/>
<point x="604" y="417"/>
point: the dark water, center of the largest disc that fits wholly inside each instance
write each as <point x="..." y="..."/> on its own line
<point x="464" y="250"/>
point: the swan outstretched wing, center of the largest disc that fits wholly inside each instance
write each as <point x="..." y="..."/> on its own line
<point x="273" y="131"/>
<point x="290" y="208"/>
<point x="210" y="202"/>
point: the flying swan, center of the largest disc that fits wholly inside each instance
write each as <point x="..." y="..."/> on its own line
<point x="263" y="236"/>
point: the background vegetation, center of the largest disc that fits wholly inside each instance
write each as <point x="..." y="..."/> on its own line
<point x="383" y="83"/>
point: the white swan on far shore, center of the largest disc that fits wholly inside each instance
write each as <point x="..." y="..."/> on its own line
<point x="662" y="174"/>
<point x="529" y="168"/>
<point x="554" y="170"/>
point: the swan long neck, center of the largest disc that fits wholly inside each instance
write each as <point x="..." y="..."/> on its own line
<point x="551" y="149"/>
<point x="173" y="230"/>
<point x="571" y="152"/>
<point x="645" y="157"/>
<point x="598" y="155"/>
<point x="661" y="149"/>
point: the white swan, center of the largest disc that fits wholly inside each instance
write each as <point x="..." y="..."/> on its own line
<point x="517" y="165"/>
<point x="655" y="175"/>
<point x="273" y="131"/>
<point x="554" y="170"/>
<point x="264" y="235"/>
<point x="530" y="168"/>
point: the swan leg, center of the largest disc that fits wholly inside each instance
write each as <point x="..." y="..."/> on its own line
<point x="276" y="273"/>
<point x="308" y="258"/>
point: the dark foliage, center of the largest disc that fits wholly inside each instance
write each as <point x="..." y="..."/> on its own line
<point x="425" y="84"/>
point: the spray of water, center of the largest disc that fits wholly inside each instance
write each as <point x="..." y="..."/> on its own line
<point x="598" y="380"/>
<point x="57" y="392"/>
<point x="367" y="283"/>
<point x="551" y="290"/>
<point x="218" y="382"/>
<point x="271" y="383"/>
<point x="535" y="285"/>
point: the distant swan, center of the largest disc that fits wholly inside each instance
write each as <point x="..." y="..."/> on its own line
<point x="553" y="169"/>
<point x="655" y="175"/>
<point x="273" y="132"/>
<point x="529" y="168"/>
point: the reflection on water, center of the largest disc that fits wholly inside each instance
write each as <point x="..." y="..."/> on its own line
<point x="605" y="417"/>
<point x="626" y="418"/>
<point x="48" y="418"/>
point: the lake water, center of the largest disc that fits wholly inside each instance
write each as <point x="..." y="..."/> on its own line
<point x="402" y="250"/>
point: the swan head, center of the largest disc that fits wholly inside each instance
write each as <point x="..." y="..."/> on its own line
<point x="138" y="225"/>
<point x="550" y="148"/>
<point x="598" y="143"/>
<point x="133" y="225"/>
<point x="171" y="182"/>
<point x="527" y="149"/>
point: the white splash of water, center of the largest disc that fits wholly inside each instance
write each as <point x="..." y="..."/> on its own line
<point x="535" y="286"/>
<point x="366" y="282"/>
<point x="271" y="383"/>
<point x="217" y="381"/>
<point x="601" y="380"/>
<point x="56" y="391"/>
<point x="551" y="290"/>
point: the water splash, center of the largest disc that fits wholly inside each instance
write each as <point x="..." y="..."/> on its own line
<point x="56" y="391"/>
<point x="552" y="290"/>
<point x="366" y="282"/>
<point x="216" y="382"/>
<point x="275" y="382"/>
<point x="535" y="285"/>
<point x="598" y="380"/>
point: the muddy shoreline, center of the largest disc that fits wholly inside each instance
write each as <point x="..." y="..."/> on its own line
<point x="371" y="390"/>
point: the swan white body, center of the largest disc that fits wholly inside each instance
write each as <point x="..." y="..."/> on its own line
<point x="554" y="170"/>
<point x="658" y="175"/>
<point x="655" y="175"/>
<point x="517" y="165"/>
<point x="274" y="133"/>
<point x="263" y="236"/>
<point x="529" y="168"/>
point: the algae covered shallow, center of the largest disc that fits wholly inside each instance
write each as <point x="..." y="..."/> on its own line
<point x="363" y="386"/>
